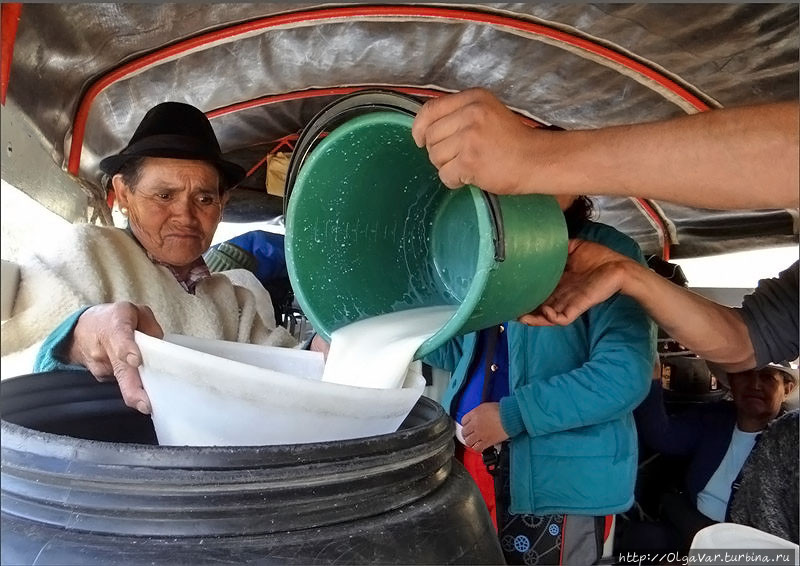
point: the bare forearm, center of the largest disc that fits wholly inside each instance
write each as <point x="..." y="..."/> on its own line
<point x="725" y="159"/>
<point x="712" y="331"/>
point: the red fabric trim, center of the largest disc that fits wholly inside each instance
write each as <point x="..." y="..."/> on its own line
<point x="255" y="167"/>
<point x="607" y="527"/>
<point x="317" y="92"/>
<point x="344" y="13"/>
<point x="659" y="221"/>
<point x="473" y="462"/>
<point x="9" y="14"/>
<point x="313" y="93"/>
<point x="284" y="141"/>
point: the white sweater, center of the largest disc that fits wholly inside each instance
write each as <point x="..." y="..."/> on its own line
<point x="89" y="265"/>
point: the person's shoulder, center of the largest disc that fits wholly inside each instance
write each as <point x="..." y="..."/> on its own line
<point x="719" y="411"/>
<point x="611" y="238"/>
<point x="604" y="234"/>
<point x="94" y="230"/>
<point x="779" y="439"/>
<point x="254" y="238"/>
<point x="714" y="417"/>
<point x="82" y="233"/>
<point x="92" y="233"/>
<point x="240" y="278"/>
<point x="791" y="273"/>
<point x="101" y="244"/>
<point x="788" y="422"/>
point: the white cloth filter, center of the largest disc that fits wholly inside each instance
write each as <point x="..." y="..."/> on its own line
<point x="217" y="393"/>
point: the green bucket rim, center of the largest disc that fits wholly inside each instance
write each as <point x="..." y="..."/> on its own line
<point x="485" y="253"/>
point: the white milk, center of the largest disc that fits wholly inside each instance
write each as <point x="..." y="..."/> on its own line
<point x="375" y="352"/>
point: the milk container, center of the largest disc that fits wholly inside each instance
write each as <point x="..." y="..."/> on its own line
<point x="371" y="230"/>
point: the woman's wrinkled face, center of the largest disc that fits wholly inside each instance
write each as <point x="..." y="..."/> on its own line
<point x="174" y="208"/>
<point x="759" y="393"/>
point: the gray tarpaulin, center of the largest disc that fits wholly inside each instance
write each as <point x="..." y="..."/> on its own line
<point x="725" y="54"/>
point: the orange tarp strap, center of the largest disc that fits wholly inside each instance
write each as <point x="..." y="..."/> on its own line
<point x="9" y="18"/>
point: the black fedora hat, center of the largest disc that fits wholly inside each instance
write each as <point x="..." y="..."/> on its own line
<point x="176" y="130"/>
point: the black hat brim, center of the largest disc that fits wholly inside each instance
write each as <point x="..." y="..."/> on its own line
<point x="175" y="147"/>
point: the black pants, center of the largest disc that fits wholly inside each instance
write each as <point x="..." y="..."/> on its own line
<point x="680" y="521"/>
<point x="544" y="539"/>
<point x="677" y="510"/>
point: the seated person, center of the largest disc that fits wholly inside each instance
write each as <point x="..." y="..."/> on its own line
<point x="261" y="253"/>
<point x="560" y="399"/>
<point x="258" y="251"/>
<point x="717" y="437"/>
<point x="82" y="299"/>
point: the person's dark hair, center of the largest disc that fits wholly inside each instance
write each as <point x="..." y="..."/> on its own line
<point x="578" y="213"/>
<point x="131" y="172"/>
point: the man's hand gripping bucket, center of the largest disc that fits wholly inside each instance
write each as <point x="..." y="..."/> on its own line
<point x="371" y="229"/>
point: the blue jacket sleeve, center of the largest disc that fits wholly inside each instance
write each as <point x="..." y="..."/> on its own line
<point x="447" y="356"/>
<point x="50" y="355"/>
<point x="677" y="435"/>
<point x="269" y="251"/>
<point x="613" y="381"/>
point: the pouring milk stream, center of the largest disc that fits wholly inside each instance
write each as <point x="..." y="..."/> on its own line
<point x="376" y="351"/>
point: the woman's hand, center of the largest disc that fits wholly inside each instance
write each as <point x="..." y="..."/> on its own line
<point x="103" y="343"/>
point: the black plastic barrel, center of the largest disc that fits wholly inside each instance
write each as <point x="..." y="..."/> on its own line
<point x="84" y="483"/>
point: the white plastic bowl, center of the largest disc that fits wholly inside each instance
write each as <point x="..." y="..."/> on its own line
<point x="217" y="393"/>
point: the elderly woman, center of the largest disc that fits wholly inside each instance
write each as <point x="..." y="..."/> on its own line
<point x="81" y="300"/>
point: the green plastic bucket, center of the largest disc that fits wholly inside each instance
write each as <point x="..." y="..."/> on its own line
<point x="370" y="229"/>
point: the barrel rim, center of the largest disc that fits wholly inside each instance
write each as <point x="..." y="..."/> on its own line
<point x="53" y="445"/>
<point x="107" y="487"/>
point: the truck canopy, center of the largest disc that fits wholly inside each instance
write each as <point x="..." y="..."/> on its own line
<point x="81" y="76"/>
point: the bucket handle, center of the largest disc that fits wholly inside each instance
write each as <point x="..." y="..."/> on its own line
<point x="359" y="102"/>
<point x="498" y="232"/>
<point x="371" y="100"/>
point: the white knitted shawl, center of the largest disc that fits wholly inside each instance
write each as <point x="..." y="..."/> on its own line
<point x="89" y="265"/>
